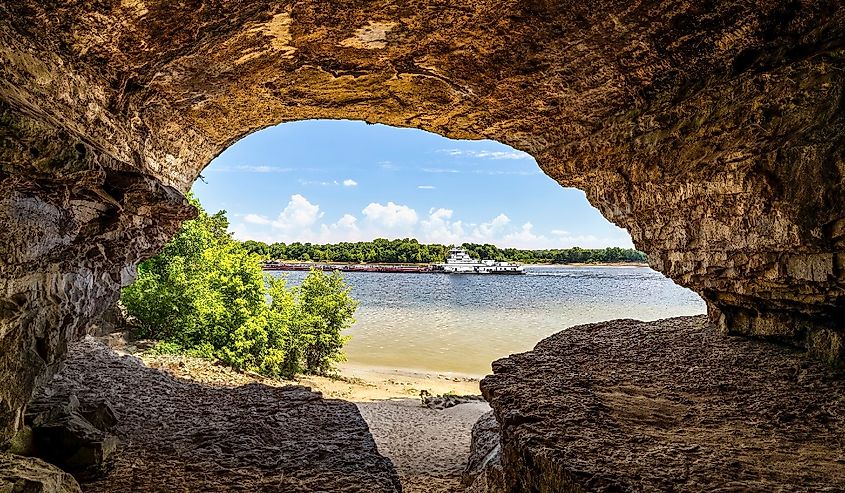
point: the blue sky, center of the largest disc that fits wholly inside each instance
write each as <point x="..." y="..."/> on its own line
<point x="325" y="181"/>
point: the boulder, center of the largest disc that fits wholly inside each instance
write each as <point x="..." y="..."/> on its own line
<point x="70" y="435"/>
<point x="671" y="405"/>
<point x="483" y="473"/>
<point x="446" y="401"/>
<point x="30" y="475"/>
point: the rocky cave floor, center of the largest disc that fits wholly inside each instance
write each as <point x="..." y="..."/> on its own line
<point x="633" y="406"/>
<point x="670" y="405"/>
<point x="182" y="436"/>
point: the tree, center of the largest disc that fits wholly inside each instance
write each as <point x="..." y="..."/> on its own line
<point x="257" y="247"/>
<point x="204" y="294"/>
<point x="324" y="309"/>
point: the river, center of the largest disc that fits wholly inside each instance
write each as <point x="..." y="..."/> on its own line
<point x="461" y="323"/>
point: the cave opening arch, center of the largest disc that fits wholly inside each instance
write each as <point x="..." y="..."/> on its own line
<point x="718" y="146"/>
<point x="304" y="185"/>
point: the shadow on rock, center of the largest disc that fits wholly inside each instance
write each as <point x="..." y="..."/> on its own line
<point x="178" y="435"/>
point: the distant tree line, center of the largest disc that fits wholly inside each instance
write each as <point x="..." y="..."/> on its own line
<point x="409" y="250"/>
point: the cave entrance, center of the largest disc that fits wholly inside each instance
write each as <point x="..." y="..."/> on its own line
<point x="732" y="182"/>
<point x="310" y="191"/>
<point x="329" y="192"/>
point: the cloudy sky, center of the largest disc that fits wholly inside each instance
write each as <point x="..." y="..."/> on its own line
<point x="325" y="181"/>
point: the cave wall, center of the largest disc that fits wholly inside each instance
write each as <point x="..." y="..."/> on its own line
<point x="712" y="131"/>
<point x="73" y="229"/>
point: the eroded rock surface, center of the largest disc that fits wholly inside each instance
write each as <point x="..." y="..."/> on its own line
<point x="712" y="131"/>
<point x="72" y="435"/>
<point x="29" y="475"/>
<point x="178" y="435"/>
<point x="666" y="406"/>
<point x="74" y="222"/>
<point x="483" y="472"/>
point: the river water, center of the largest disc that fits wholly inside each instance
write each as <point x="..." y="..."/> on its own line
<point x="461" y="323"/>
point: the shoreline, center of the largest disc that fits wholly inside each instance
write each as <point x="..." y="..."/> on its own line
<point x="353" y="382"/>
<point x="421" y="265"/>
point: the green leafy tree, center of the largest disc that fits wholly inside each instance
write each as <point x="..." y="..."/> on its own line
<point x="324" y="309"/>
<point x="204" y="294"/>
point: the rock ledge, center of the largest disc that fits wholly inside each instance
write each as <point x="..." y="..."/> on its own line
<point x="179" y="435"/>
<point x="666" y="406"/>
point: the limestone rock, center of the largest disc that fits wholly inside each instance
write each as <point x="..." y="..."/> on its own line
<point x="713" y="132"/>
<point x="483" y="473"/>
<point x="446" y="401"/>
<point x="180" y="435"/>
<point x="70" y="435"/>
<point x="666" y="406"/>
<point x="29" y="475"/>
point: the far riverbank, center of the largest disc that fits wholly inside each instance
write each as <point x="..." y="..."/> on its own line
<point x="268" y="265"/>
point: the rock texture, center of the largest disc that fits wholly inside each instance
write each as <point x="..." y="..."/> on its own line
<point x="712" y="131"/>
<point x="179" y="435"/>
<point x="76" y="437"/>
<point x="74" y="222"/>
<point x="28" y="475"/>
<point x="483" y="472"/>
<point x="666" y="406"/>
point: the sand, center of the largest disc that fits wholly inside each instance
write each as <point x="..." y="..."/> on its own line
<point x="428" y="447"/>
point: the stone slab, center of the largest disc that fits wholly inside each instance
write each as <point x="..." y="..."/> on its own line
<point x="670" y="405"/>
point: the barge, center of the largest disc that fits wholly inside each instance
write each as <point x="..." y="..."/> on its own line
<point x="458" y="262"/>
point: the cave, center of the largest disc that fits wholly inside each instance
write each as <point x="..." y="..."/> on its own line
<point x="712" y="131"/>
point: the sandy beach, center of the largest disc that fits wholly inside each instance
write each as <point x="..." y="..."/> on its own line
<point x="428" y="447"/>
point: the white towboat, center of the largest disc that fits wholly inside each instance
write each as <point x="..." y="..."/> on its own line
<point x="461" y="262"/>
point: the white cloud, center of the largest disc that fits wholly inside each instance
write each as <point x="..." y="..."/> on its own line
<point x="348" y="221"/>
<point x="345" y="229"/>
<point x="488" y="231"/>
<point x="487" y="154"/>
<point x="387" y="166"/>
<point x="299" y="214"/>
<point x="333" y="183"/>
<point x="564" y="239"/>
<point x="256" y="219"/>
<point x="525" y="238"/>
<point x="426" y="187"/>
<point x="301" y="220"/>
<point x="439" y="228"/>
<point x="391" y="215"/>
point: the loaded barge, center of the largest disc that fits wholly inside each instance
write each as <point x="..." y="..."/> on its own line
<point x="458" y="262"/>
<point x="402" y="269"/>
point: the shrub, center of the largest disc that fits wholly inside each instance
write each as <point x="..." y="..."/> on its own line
<point x="205" y="295"/>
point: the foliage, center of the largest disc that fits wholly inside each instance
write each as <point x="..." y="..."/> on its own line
<point x="324" y="310"/>
<point x="411" y="251"/>
<point x="205" y="295"/>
